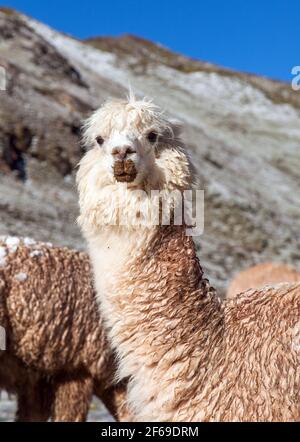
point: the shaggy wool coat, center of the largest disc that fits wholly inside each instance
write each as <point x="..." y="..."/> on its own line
<point x="57" y="354"/>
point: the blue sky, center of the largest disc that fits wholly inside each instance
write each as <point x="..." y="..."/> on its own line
<point x="254" y="36"/>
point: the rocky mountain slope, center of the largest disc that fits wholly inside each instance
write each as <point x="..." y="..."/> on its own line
<point x="243" y="132"/>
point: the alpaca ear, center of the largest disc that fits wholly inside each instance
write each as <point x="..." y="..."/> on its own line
<point x="177" y="127"/>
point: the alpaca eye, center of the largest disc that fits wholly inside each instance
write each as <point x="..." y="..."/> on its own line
<point x="152" y="137"/>
<point x="100" y="140"/>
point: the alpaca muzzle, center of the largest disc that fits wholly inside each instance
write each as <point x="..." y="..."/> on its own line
<point x="125" y="171"/>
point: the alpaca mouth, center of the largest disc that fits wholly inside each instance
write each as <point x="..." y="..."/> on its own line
<point x="125" y="171"/>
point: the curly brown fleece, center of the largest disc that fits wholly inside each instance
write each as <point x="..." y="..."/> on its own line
<point x="193" y="358"/>
<point x="57" y="355"/>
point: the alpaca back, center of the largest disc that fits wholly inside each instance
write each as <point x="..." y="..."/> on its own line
<point x="262" y="355"/>
<point x="261" y="275"/>
<point x="253" y="374"/>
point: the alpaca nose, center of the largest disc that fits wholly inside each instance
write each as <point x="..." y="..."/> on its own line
<point x="120" y="153"/>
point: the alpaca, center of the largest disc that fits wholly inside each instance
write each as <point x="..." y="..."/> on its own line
<point x="188" y="356"/>
<point x="268" y="273"/>
<point x="57" y="355"/>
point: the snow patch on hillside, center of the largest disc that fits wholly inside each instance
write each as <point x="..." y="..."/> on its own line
<point x="82" y="55"/>
<point x="229" y="95"/>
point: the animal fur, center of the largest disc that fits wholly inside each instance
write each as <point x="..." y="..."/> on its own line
<point x="57" y="354"/>
<point x="260" y="275"/>
<point x="189" y="357"/>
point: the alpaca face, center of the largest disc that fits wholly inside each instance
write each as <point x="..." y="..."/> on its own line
<point x="128" y="153"/>
<point x="128" y="137"/>
<point x="132" y="150"/>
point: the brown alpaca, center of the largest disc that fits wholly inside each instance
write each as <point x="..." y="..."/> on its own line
<point x="57" y="354"/>
<point x="189" y="357"/>
<point x="258" y="276"/>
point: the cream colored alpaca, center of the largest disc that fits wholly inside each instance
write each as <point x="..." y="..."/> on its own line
<point x="189" y="357"/>
<point x="260" y="275"/>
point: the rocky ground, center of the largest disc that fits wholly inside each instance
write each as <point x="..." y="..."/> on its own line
<point x="7" y="408"/>
<point x="243" y="134"/>
<point x="97" y="413"/>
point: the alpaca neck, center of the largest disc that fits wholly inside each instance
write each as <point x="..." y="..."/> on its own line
<point x="162" y="317"/>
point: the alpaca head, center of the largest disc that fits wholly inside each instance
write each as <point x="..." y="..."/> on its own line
<point x="130" y="146"/>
